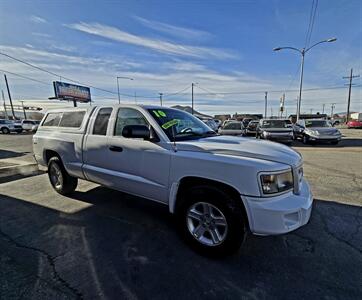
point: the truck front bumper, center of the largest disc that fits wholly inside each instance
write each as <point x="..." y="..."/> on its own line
<point x="279" y="214"/>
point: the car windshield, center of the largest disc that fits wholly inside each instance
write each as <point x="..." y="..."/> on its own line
<point x="317" y="123"/>
<point x="275" y="124"/>
<point x="179" y="125"/>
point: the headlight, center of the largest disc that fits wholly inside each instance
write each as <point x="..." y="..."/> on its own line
<point x="265" y="133"/>
<point x="276" y="183"/>
<point x="314" y="132"/>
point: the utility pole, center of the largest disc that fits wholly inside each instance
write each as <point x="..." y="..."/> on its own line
<point x="332" y="108"/>
<point x="160" y="98"/>
<point x="350" y="77"/>
<point x="323" y="108"/>
<point x="266" y="104"/>
<point x="192" y="98"/>
<point x="311" y="111"/>
<point x="22" y="104"/>
<point x="11" y="102"/>
<point x="6" y="112"/>
<point x="135" y="97"/>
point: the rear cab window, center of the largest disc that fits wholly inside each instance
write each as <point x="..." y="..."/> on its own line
<point x="101" y="122"/>
<point x="52" y="119"/>
<point x="72" y="119"/>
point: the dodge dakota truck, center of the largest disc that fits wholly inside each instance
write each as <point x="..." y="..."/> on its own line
<point x="218" y="187"/>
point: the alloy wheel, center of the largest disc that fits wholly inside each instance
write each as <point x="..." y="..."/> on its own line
<point x="206" y="223"/>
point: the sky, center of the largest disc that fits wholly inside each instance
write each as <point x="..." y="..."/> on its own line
<point x="224" y="47"/>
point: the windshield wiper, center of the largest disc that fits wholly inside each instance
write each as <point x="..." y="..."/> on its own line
<point x="193" y="133"/>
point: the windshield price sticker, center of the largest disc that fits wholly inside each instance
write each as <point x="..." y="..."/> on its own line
<point x="170" y="124"/>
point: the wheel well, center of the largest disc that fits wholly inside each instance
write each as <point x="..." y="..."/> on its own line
<point x="49" y="154"/>
<point x="188" y="182"/>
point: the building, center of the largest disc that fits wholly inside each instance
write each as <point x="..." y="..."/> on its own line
<point x="293" y="118"/>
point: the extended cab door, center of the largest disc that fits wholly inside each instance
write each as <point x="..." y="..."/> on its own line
<point x="132" y="165"/>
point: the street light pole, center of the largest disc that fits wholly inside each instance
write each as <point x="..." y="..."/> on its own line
<point x="192" y="98"/>
<point x="302" y="52"/>
<point x="300" y="83"/>
<point x="121" y="77"/>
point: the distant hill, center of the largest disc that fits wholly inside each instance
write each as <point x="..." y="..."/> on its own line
<point x="189" y="110"/>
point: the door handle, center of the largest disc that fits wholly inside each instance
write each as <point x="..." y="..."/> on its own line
<point x="116" y="148"/>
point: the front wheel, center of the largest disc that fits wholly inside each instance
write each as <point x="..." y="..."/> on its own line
<point x="59" y="178"/>
<point x="5" y="130"/>
<point x="211" y="221"/>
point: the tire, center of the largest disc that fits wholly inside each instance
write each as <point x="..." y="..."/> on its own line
<point x="201" y="207"/>
<point x="5" y="130"/>
<point x="59" y="178"/>
<point x="335" y="142"/>
<point x="305" y="139"/>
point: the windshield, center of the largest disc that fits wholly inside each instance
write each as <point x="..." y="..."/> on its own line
<point x="275" y="124"/>
<point x="179" y="125"/>
<point x="317" y="123"/>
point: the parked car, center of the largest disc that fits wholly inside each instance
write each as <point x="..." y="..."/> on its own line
<point x="28" y="124"/>
<point x="217" y="187"/>
<point x="279" y="130"/>
<point x="232" y="128"/>
<point x="252" y="127"/>
<point x="211" y="123"/>
<point x="354" y="124"/>
<point x="356" y="121"/>
<point x="34" y="128"/>
<point x="8" y="126"/>
<point x="218" y="123"/>
<point x="246" y="121"/>
<point x="318" y="130"/>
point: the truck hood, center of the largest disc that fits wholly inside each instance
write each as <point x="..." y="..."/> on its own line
<point x="243" y="147"/>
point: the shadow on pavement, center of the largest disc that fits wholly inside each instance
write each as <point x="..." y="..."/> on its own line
<point x="126" y="247"/>
<point x="11" y="154"/>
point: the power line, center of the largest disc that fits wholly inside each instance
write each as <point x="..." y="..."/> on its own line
<point x="176" y="93"/>
<point x="312" y="15"/>
<point x="273" y="91"/>
<point x="61" y="76"/>
<point x="25" y="77"/>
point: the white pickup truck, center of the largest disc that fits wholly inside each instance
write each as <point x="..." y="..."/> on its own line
<point x="218" y="187"/>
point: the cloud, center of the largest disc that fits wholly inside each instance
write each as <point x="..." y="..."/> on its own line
<point x="116" y="34"/>
<point x="230" y="91"/>
<point x="41" y="34"/>
<point x="36" y="19"/>
<point x="172" y="30"/>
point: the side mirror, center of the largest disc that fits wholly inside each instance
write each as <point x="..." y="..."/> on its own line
<point x="136" y="132"/>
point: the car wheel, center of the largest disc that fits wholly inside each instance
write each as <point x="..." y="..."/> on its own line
<point x="211" y="221"/>
<point x="305" y="139"/>
<point x="5" y="130"/>
<point x="59" y="178"/>
<point x="335" y="142"/>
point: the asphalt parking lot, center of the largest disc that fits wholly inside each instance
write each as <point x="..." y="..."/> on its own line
<point x="105" y="244"/>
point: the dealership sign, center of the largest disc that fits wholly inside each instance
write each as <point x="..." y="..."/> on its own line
<point x="67" y="91"/>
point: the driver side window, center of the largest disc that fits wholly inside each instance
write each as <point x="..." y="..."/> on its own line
<point x="128" y="116"/>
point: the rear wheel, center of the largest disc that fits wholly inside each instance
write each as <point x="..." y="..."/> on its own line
<point x="59" y="178"/>
<point x="5" y="130"/>
<point x="211" y="221"/>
